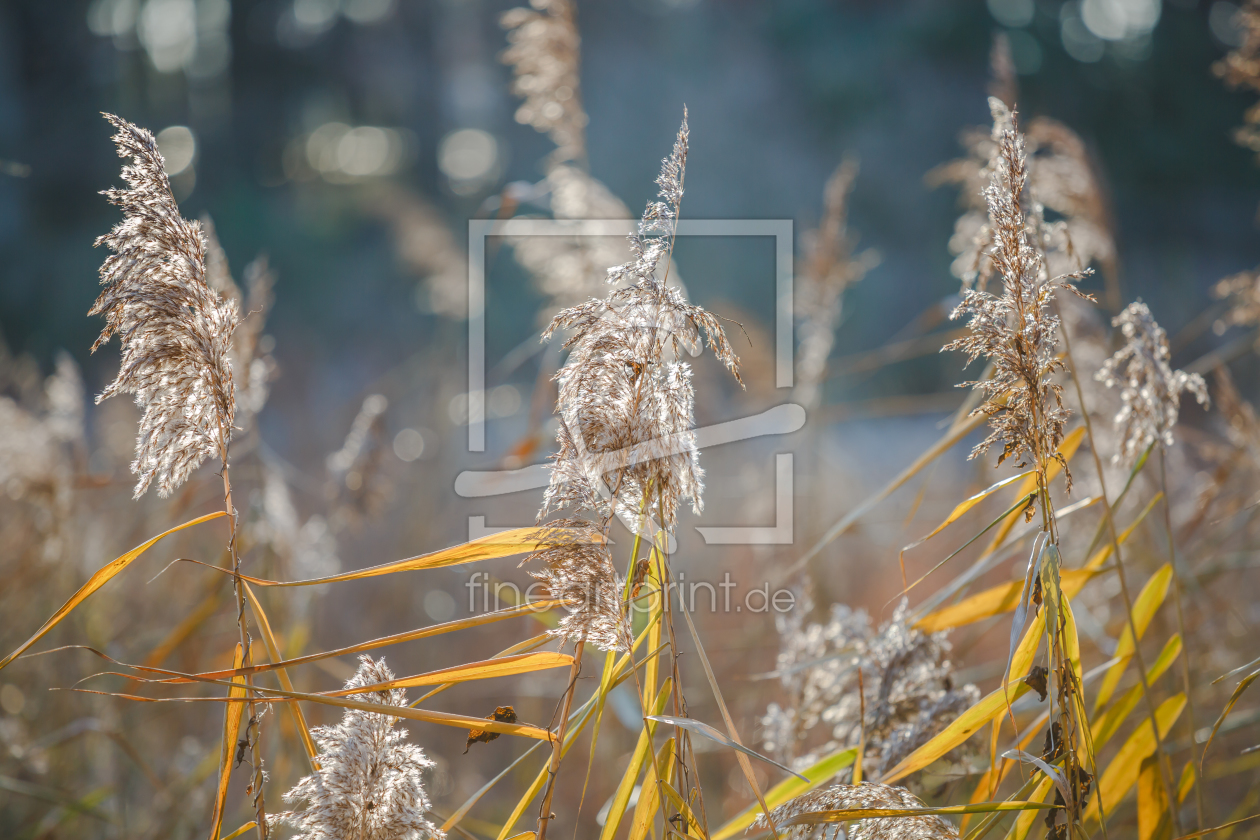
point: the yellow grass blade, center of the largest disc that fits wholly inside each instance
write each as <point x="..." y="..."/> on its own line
<point x="1121" y="774"/>
<point x="1214" y="829"/>
<point x="1233" y="698"/>
<point x="1105" y="726"/>
<point x="1066" y="449"/>
<point x="525" y="663"/>
<point x="249" y="826"/>
<point x="1024" y="822"/>
<point x="819" y="773"/>
<point x="103" y="576"/>
<point x="966" y="505"/>
<point x="272" y="695"/>
<point x="994" y="601"/>
<point x="227" y="751"/>
<point x="1152" y="802"/>
<point x="849" y="814"/>
<point x="503" y="544"/>
<point x="520" y="647"/>
<point x="642" y="749"/>
<point x="1145" y="605"/>
<point x="650" y="795"/>
<point x="384" y="641"/>
<point x="683" y="808"/>
<point x="273" y="651"/>
<point x="970" y="721"/>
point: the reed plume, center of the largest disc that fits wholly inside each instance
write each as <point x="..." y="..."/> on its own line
<point x="830" y="268"/>
<point x="865" y="795"/>
<point x="625" y="400"/>
<point x="176" y="331"/>
<point x="577" y="568"/>
<point x="1015" y="331"/>
<point x="544" y="52"/>
<point x="1241" y="68"/>
<point x="369" y="782"/>
<point x="1150" y="390"/>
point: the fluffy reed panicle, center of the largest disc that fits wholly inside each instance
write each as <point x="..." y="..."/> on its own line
<point x="907" y="680"/>
<point x="176" y="331"/>
<point x="1061" y="177"/>
<point x="369" y="783"/>
<point x="578" y="568"/>
<point x="1241" y="68"/>
<point x="544" y="54"/>
<point x="1241" y="292"/>
<point x="1015" y="330"/>
<point x="357" y="484"/>
<point x="830" y="268"/>
<point x="865" y="795"/>
<point x="625" y="396"/>
<point x="1150" y="389"/>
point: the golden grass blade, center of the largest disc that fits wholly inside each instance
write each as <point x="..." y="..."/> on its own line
<point x="525" y="663"/>
<point x="1066" y="449"/>
<point x="520" y="647"/>
<point x="1233" y="698"/>
<point x="744" y="764"/>
<point x="503" y="544"/>
<point x="384" y="641"/>
<point x="1005" y="597"/>
<point x="1144" y="607"/>
<point x="966" y="505"/>
<point x="988" y="707"/>
<point x="1214" y="829"/>
<point x="227" y="751"/>
<point x="103" y="576"/>
<point x="1121" y="774"/>
<point x="273" y="652"/>
<point x="1024" y="822"/>
<point x="1105" y="727"/>
<point x="659" y="773"/>
<point x="818" y="773"/>
<point x="642" y="749"/>
<point x="1020" y="505"/>
<point x="849" y="814"/>
<point x="272" y="695"/>
<point x="693" y="825"/>
<point x="249" y="826"/>
<point x="1152" y="802"/>
<point x="994" y="601"/>
<point x="990" y="820"/>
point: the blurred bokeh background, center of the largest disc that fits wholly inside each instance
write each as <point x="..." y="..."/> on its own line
<point x="352" y="140"/>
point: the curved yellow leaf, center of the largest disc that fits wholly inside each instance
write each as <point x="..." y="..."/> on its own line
<point x="659" y="771"/>
<point x="1066" y="450"/>
<point x="524" y="663"/>
<point x="103" y="576"/>
<point x="503" y="544"/>
<point x="642" y="749"/>
<point x="966" y="505"/>
<point x="994" y="601"/>
<point x="227" y="750"/>
<point x="273" y="651"/>
<point x="1145" y="605"/>
<point x="1106" y="725"/>
<point x="1122" y="773"/>
<point x="849" y="814"/>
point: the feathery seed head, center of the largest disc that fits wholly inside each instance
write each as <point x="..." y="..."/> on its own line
<point x="865" y="795"/>
<point x="544" y="51"/>
<point x="1150" y="388"/>
<point x="369" y="784"/>
<point x="176" y="331"/>
<point x="1015" y="330"/>
<point x="577" y="567"/>
<point x="625" y="396"/>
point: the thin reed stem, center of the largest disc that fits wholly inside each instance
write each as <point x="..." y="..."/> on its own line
<point x="557" y="744"/>
<point x="1108" y="514"/>
<point x="256" y="784"/>
<point x="1181" y="628"/>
